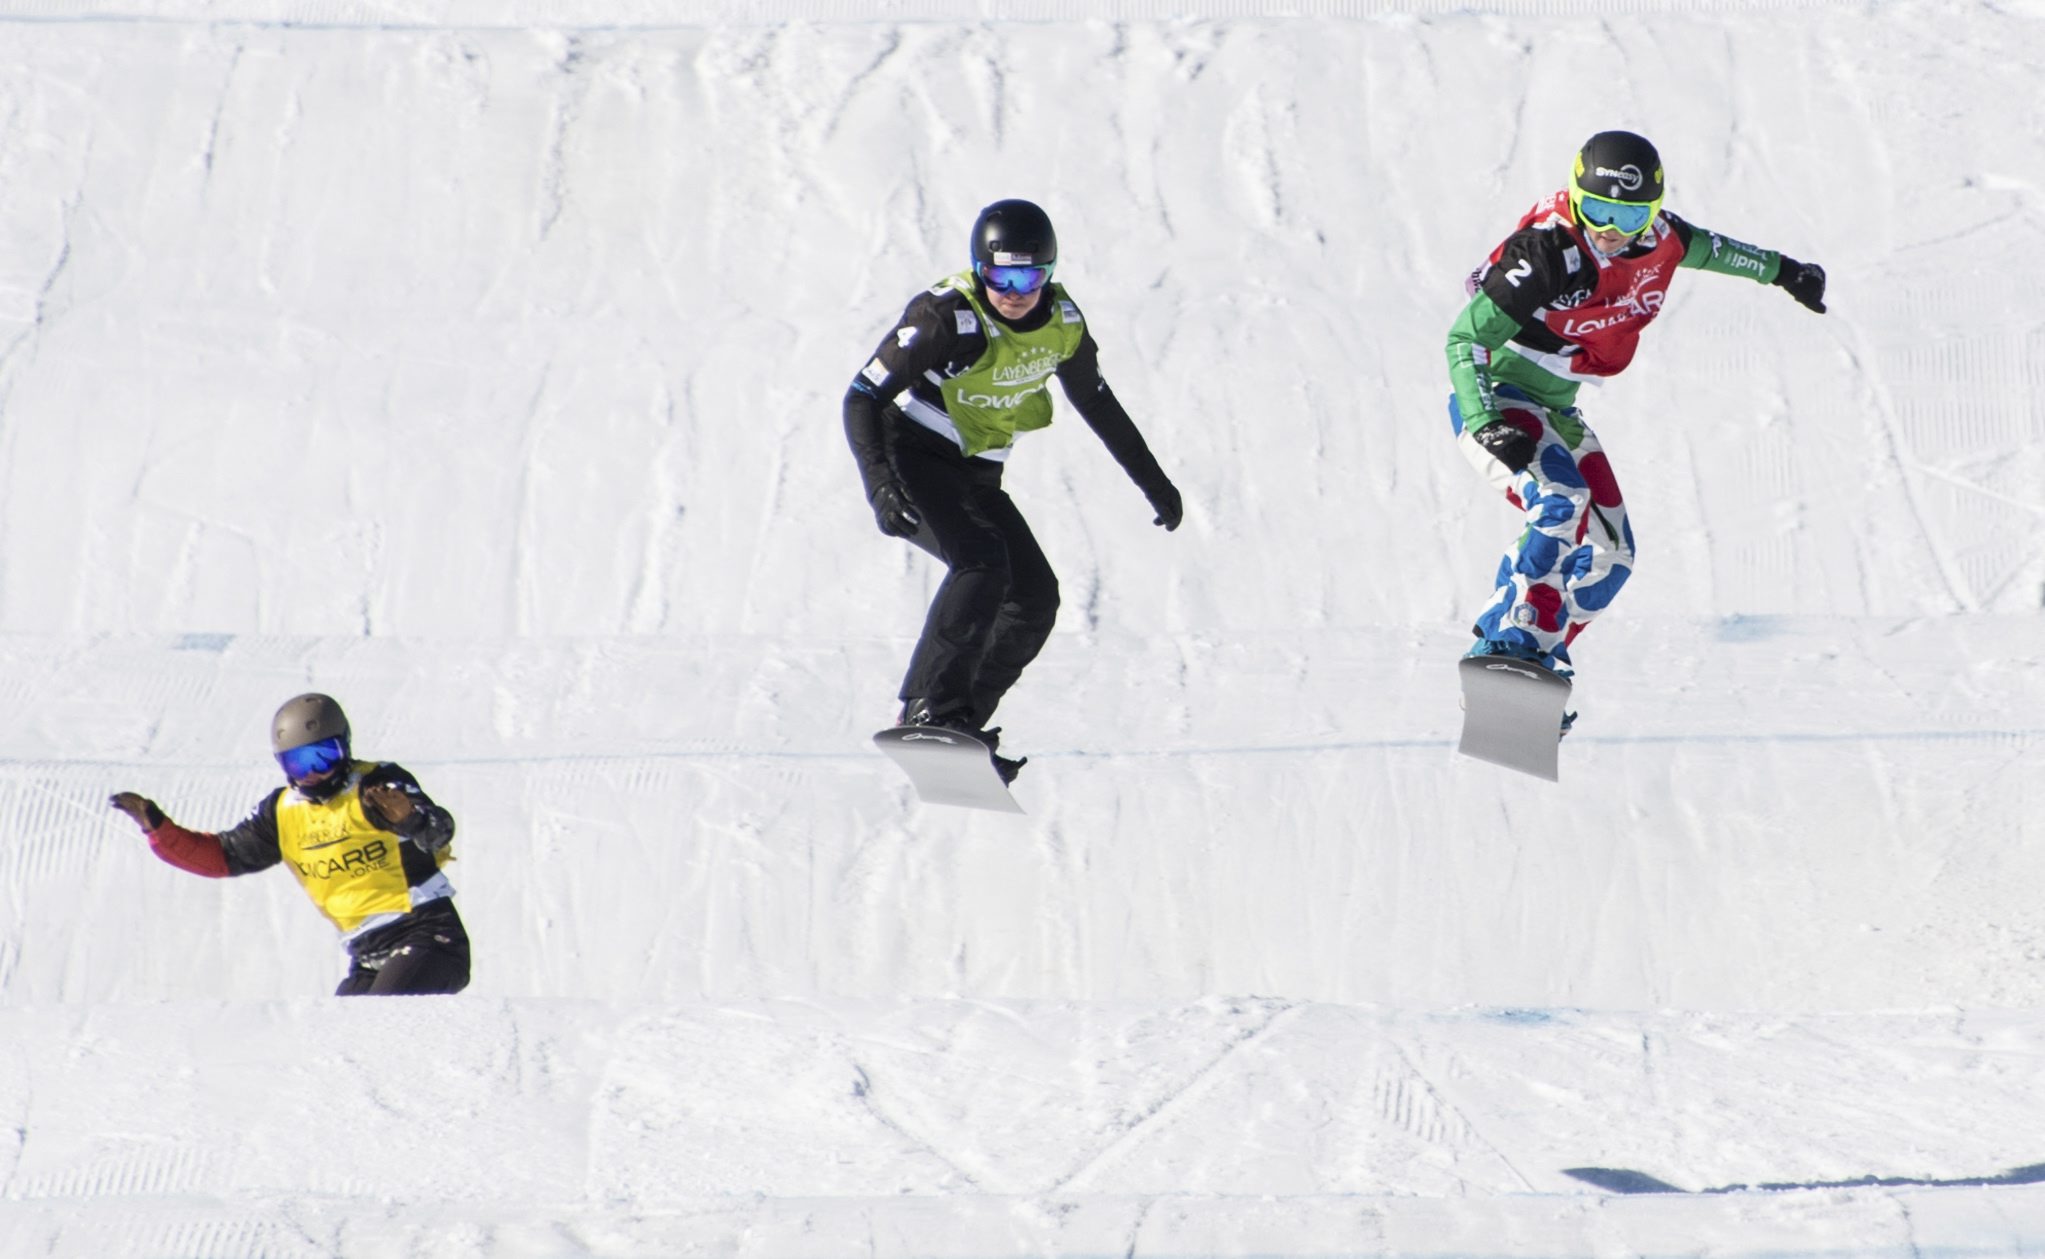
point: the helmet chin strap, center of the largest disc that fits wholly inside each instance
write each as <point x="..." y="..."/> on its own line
<point x="989" y="295"/>
<point x="326" y="788"/>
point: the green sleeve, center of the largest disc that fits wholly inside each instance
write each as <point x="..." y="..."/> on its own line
<point x="1711" y="251"/>
<point x="1480" y="329"/>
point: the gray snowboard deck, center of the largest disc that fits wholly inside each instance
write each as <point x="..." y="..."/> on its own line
<point x="947" y="767"/>
<point x="1512" y="714"/>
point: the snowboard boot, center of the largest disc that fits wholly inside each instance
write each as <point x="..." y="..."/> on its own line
<point x="1556" y="661"/>
<point x="927" y="712"/>
<point x="1006" y="766"/>
<point x="1568" y="723"/>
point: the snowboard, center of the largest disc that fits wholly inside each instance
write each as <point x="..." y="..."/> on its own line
<point x="948" y="766"/>
<point x="1512" y="714"/>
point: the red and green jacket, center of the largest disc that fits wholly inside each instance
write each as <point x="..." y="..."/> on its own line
<point x="1547" y="312"/>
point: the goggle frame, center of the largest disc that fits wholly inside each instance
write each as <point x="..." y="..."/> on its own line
<point x="1617" y="213"/>
<point x="309" y="760"/>
<point x="1019" y="280"/>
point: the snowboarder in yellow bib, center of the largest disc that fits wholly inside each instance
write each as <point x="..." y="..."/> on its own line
<point x="362" y="839"/>
<point x="932" y="419"/>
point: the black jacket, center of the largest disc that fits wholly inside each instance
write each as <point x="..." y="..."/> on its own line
<point x="927" y="340"/>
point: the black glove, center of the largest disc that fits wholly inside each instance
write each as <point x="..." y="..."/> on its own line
<point x="1804" y="280"/>
<point x="141" y="808"/>
<point x="1165" y="501"/>
<point x="893" y="511"/>
<point x="1507" y="443"/>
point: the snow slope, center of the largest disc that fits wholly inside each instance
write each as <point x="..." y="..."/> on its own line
<point x="480" y="365"/>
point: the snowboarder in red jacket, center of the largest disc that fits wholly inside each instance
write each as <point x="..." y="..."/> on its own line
<point x="1562" y="301"/>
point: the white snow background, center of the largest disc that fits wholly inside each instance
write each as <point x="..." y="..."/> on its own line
<point x="480" y="364"/>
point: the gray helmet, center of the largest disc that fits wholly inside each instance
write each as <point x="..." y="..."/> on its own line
<point x="307" y="719"/>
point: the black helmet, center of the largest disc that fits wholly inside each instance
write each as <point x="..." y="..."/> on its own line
<point x="1014" y="233"/>
<point x="1618" y="166"/>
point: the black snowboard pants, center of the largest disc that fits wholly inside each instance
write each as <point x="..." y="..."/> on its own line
<point x="425" y="952"/>
<point x="999" y="599"/>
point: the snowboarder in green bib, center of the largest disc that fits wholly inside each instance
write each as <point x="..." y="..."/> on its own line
<point x="932" y="418"/>
<point x="1560" y="302"/>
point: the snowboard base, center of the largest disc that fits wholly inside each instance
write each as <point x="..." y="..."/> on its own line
<point x="1512" y="714"/>
<point x="948" y="766"/>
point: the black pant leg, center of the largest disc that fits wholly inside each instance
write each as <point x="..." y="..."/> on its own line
<point x="426" y="954"/>
<point x="1027" y="613"/>
<point x="423" y="970"/>
<point x="952" y="496"/>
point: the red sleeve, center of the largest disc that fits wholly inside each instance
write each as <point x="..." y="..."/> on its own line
<point x="194" y="851"/>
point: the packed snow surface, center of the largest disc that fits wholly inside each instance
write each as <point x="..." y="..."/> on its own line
<point x="480" y="365"/>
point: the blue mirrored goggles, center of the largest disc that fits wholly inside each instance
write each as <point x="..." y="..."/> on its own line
<point x="313" y="759"/>
<point x="1014" y="279"/>
<point x="1630" y="217"/>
